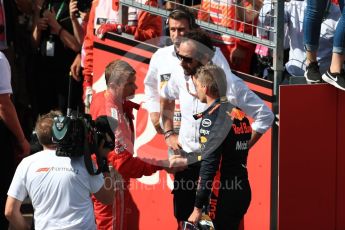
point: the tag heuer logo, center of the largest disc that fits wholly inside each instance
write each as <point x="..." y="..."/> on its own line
<point x="165" y="77"/>
<point x="206" y="123"/>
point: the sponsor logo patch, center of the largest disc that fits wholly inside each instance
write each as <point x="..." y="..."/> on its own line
<point x="236" y="113"/>
<point x="100" y="21"/>
<point x="241" y="145"/>
<point x="242" y="128"/>
<point x="203" y="139"/>
<point x="164" y="79"/>
<point x="206" y="123"/>
<point x="204" y="132"/>
<point x="42" y="170"/>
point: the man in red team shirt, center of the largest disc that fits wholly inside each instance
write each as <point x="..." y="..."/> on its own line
<point x="120" y="79"/>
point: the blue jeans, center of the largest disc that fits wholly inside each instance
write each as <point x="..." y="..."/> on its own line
<point x="313" y="17"/>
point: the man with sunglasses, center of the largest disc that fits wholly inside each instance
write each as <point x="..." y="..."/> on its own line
<point x="195" y="50"/>
<point x="165" y="64"/>
<point x="165" y="73"/>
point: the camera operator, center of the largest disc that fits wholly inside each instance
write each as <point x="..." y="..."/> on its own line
<point x="59" y="187"/>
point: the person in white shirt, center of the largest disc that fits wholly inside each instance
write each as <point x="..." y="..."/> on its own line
<point x="13" y="144"/>
<point x="59" y="187"/>
<point x="167" y="77"/>
<point x="164" y="64"/>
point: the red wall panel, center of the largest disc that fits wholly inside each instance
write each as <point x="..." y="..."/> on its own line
<point x="311" y="157"/>
<point x="340" y="218"/>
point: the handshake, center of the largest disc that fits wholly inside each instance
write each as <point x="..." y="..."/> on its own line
<point x="176" y="163"/>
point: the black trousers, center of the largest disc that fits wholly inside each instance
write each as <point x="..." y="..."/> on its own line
<point x="232" y="203"/>
<point x="185" y="184"/>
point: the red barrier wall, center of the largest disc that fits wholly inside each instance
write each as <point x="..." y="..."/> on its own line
<point x="153" y="194"/>
<point x="311" y="158"/>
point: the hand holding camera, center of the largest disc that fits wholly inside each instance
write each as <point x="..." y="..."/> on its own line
<point x="50" y="15"/>
<point x="73" y="9"/>
<point x="78" y="6"/>
<point x="42" y="24"/>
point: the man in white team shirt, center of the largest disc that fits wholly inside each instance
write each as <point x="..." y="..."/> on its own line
<point x="59" y="187"/>
<point x="165" y="70"/>
<point x="195" y="50"/>
<point x="164" y="63"/>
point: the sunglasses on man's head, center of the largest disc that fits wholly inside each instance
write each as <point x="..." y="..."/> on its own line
<point x="184" y="58"/>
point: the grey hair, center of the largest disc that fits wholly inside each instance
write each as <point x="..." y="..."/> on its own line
<point x="117" y="72"/>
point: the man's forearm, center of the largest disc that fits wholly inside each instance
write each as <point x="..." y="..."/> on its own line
<point x="77" y="30"/>
<point x="156" y="122"/>
<point x="13" y="214"/>
<point x="9" y="115"/>
<point x="168" y="108"/>
<point x="18" y="222"/>
<point x="255" y="137"/>
<point x="69" y="40"/>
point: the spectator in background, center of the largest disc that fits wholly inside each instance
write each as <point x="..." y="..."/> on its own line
<point x="57" y="48"/>
<point x="294" y="17"/>
<point x="59" y="187"/>
<point x="105" y="17"/>
<point x="15" y="43"/>
<point x="11" y="134"/>
<point x="262" y="65"/>
<point x="315" y="13"/>
<point x="240" y="17"/>
<point x="79" y="18"/>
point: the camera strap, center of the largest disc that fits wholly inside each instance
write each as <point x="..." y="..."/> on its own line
<point x="88" y="159"/>
<point x="58" y="13"/>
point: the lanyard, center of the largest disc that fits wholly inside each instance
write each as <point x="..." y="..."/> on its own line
<point x="59" y="11"/>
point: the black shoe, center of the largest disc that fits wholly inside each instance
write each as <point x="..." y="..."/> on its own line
<point x="312" y="73"/>
<point x="336" y="79"/>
